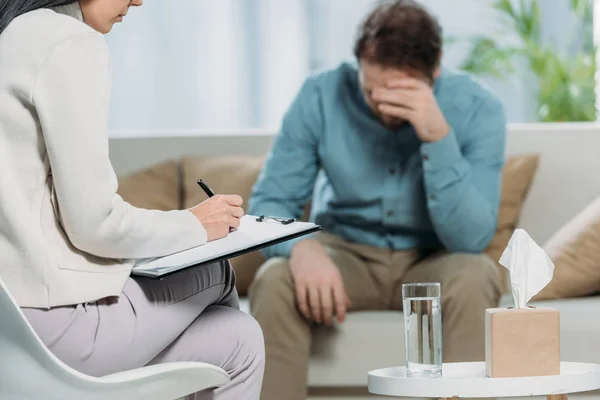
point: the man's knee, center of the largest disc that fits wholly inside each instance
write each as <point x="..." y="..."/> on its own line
<point x="272" y="279"/>
<point x="471" y="275"/>
<point x="272" y="287"/>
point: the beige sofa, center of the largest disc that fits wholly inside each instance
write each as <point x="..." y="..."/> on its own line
<point x="565" y="181"/>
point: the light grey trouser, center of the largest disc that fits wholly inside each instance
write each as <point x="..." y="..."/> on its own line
<point x="190" y="316"/>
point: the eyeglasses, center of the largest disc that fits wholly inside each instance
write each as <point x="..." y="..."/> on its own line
<point x="284" y="221"/>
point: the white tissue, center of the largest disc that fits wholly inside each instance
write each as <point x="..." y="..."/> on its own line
<point x="530" y="267"/>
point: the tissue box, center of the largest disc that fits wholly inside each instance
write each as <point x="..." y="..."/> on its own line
<point x="522" y="342"/>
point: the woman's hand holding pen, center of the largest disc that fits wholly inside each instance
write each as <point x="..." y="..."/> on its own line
<point x="219" y="214"/>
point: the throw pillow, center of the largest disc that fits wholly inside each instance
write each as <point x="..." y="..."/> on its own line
<point x="517" y="177"/>
<point x="575" y="252"/>
<point x="154" y="188"/>
<point x="225" y="175"/>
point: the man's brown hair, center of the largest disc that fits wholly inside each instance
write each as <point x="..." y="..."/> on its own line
<point x="400" y="34"/>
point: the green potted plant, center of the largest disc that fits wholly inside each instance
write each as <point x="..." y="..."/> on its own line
<point x="565" y="82"/>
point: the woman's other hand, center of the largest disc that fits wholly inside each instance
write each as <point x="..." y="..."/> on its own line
<point x="219" y="214"/>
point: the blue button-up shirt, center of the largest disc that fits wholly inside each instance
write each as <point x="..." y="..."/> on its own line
<point x="381" y="187"/>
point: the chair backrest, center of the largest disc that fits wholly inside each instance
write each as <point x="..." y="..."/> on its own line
<point x="15" y="330"/>
<point x="23" y="356"/>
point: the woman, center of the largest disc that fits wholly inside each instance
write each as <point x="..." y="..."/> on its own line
<point x="68" y="241"/>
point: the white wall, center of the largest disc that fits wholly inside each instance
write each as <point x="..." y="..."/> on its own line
<point x="237" y="64"/>
<point x="170" y="63"/>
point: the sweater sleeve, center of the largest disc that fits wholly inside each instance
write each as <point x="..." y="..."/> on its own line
<point x="71" y="96"/>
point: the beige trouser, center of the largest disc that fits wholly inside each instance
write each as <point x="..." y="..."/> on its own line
<point x="372" y="279"/>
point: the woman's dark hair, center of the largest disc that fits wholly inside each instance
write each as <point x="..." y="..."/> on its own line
<point x="11" y="9"/>
<point x="400" y="34"/>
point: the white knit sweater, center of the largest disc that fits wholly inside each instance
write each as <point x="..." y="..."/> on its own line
<point x="66" y="237"/>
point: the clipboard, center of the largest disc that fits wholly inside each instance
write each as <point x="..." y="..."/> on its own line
<point x="254" y="233"/>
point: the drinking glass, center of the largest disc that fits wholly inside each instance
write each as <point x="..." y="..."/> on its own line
<point x="422" y="329"/>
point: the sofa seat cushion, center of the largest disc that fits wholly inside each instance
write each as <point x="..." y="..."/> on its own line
<point x="579" y="327"/>
<point x="342" y="355"/>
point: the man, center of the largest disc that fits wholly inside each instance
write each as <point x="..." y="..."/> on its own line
<point x="403" y="161"/>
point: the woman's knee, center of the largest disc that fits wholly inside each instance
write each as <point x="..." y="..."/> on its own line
<point x="250" y="359"/>
<point x="253" y="337"/>
<point x="243" y="335"/>
<point x="249" y="329"/>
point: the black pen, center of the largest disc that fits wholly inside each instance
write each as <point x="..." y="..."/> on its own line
<point x="209" y="192"/>
<point x="206" y="188"/>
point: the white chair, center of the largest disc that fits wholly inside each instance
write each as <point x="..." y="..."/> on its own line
<point x="28" y="370"/>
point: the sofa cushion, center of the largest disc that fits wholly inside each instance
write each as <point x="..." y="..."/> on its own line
<point x="225" y="175"/>
<point x="154" y="188"/>
<point x="575" y="251"/>
<point x="517" y="177"/>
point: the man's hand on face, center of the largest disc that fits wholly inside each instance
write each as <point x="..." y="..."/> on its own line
<point x="413" y="100"/>
<point x="319" y="288"/>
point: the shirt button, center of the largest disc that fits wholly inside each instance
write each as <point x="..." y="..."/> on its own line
<point x="425" y="157"/>
<point x="392" y="171"/>
<point x="432" y="197"/>
<point x="390" y="213"/>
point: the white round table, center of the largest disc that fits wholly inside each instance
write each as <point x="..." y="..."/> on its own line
<point x="468" y="380"/>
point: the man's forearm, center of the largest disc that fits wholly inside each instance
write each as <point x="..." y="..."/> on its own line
<point x="463" y="213"/>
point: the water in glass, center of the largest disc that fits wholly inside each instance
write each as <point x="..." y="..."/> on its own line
<point x="423" y="332"/>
